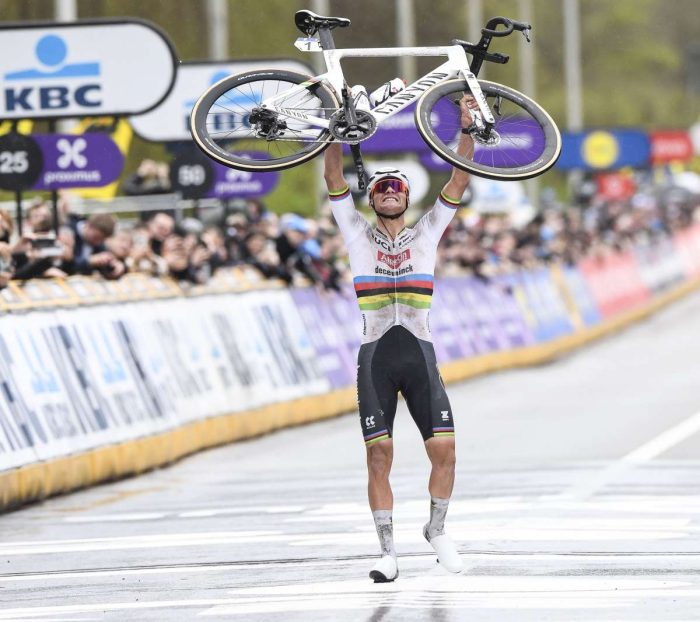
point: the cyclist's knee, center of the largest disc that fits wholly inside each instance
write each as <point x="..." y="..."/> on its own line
<point x="441" y="451"/>
<point x="379" y="457"/>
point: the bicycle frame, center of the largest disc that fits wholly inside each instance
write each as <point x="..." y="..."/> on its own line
<point x="456" y="65"/>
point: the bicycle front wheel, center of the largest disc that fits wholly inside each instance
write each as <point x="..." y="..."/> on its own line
<point x="222" y="127"/>
<point x="523" y="143"/>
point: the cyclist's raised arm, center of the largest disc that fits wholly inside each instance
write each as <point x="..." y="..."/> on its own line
<point x="333" y="168"/>
<point x="459" y="180"/>
<point x="436" y="220"/>
<point x="350" y="222"/>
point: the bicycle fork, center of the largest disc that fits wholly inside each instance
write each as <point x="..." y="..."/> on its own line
<point x="485" y="120"/>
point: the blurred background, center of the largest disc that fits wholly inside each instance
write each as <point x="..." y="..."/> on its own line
<point x="621" y="79"/>
<point x="154" y="304"/>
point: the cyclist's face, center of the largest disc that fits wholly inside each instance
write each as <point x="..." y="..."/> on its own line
<point x="390" y="201"/>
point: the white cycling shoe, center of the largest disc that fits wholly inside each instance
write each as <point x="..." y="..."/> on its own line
<point x="447" y="554"/>
<point x="385" y="570"/>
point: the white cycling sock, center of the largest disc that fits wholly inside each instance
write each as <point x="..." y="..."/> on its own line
<point x="438" y="512"/>
<point x="385" y="531"/>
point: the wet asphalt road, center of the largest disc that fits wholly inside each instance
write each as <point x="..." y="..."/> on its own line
<point x="577" y="498"/>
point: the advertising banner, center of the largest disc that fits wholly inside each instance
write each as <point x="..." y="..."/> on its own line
<point x="542" y="304"/>
<point x="332" y="355"/>
<point x="670" y="146"/>
<point x="485" y="331"/>
<point x="398" y="133"/>
<point x="72" y="161"/>
<point x="604" y="149"/>
<point x="581" y="295"/>
<point x="687" y="243"/>
<point x="504" y="302"/>
<point x="77" y="378"/>
<point x="195" y="176"/>
<point x="52" y="411"/>
<point x="55" y="69"/>
<point x="170" y="121"/>
<point x="660" y="265"/>
<point x="616" y="186"/>
<point x="452" y="339"/>
<point x="615" y="283"/>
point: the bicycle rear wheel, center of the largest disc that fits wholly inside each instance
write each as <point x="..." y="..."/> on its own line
<point x="222" y="127"/>
<point x="525" y="140"/>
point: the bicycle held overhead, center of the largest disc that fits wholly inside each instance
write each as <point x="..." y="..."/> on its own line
<point x="273" y="119"/>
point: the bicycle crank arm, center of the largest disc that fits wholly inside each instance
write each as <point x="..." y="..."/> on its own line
<point x="362" y="176"/>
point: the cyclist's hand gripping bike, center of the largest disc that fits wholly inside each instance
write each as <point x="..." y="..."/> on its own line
<point x="270" y="120"/>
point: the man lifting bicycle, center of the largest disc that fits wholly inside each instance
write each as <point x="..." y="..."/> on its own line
<point x="393" y="267"/>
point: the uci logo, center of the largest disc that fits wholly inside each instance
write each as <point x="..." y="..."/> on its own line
<point x="51" y="52"/>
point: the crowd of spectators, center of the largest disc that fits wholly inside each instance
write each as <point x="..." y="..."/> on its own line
<point x="301" y="250"/>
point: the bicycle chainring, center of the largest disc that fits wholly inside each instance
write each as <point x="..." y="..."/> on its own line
<point x="345" y="132"/>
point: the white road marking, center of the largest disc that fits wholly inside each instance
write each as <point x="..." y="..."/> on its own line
<point x="427" y="591"/>
<point x="181" y="569"/>
<point x="444" y="591"/>
<point x="564" y="529"/>
<point x="207" y="513"/>
<point x="139" y="542"/>
<point x="646" y="452"/>
<point x="116" y="518"/>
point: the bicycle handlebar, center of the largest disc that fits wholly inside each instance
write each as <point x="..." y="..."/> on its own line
<point x="510" y="26"/>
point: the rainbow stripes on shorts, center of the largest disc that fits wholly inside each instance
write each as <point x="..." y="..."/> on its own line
<point x="444" y="431"/>
<point x="375" y="437"/>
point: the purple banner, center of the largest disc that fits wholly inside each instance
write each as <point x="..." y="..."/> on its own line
<point x="396" y="133"/>
<point x="230" y="183"/>
<point x="433" y="162"/>
<point x="521" y="139"/>
<point x="78" y="161"/>
<point x="453" y="330"/>
<point x="347" y="314"/>
<point x="332" y="353"/>
<point x="509" y="314"/>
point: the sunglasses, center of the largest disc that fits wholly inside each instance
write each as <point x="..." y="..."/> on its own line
<point x="395" y="184"/>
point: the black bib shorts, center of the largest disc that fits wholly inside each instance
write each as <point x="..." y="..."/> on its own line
<point x="399" y="361"/>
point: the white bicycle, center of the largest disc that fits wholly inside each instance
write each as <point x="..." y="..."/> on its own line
<point x="272" y="120"/>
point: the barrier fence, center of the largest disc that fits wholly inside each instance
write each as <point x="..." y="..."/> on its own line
<point x="103" y="379"/>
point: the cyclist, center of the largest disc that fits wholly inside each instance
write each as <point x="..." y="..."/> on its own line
<point x="393" y="267"/>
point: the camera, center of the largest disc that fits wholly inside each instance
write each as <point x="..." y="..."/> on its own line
<point x="47" y="246"/>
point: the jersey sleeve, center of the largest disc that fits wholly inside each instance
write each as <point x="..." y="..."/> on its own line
<point x="350" y="222"/>
<point x="436" y="220"/>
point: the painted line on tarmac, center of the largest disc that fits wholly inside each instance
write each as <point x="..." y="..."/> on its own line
<point x="257" y="565"/>
<point x="643" y="454"/>
<point x="424" y="591"/>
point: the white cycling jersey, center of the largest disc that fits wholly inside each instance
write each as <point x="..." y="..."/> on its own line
<point x="393" y="278"/>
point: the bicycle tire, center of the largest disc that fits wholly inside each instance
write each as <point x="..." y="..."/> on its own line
<point x="530" y="142"/>
<point x="236" y="145"/>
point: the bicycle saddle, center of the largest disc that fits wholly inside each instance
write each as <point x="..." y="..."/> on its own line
<point x="309" y="22"/>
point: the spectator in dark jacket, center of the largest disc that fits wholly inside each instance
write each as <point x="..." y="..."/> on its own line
<point x="90" y="251"/>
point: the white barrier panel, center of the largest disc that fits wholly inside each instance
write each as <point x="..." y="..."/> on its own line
<point x="76" y="379"/>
